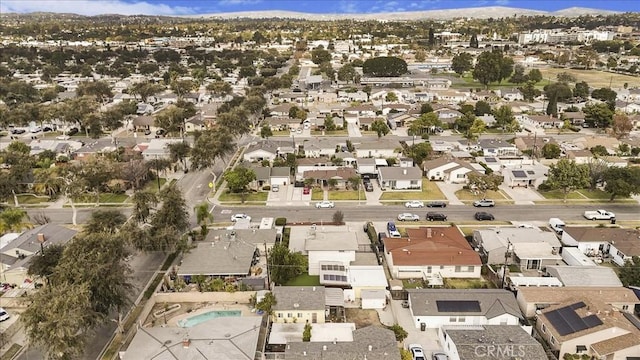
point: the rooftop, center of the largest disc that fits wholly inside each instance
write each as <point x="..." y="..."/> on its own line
<point x="299" y="298"/>
<point x="218" y="257"/>
<point x="468" y="340"/>
<point x="477" y="302"/>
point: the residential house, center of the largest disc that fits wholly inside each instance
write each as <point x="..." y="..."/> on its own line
<point x="437" y="308"/>
<point x="281" y="110"/>
<point x="269" y="176"/>
<point x="511" y="95"/>
<point x="281" y="123"/>
<point x="497" y="147"/>
<point x="588" y="142"/>
<point x="400" y="178"/>
<point x="159" y="149"/>
<point x="367" y="166"/>
<point x="542" y="121"/>
<point x="221" y="258"/>
<point x="328" y="248"/>
<point x="370" y="342"/>
<point x="59" y="147"/>
<point x="530" y="249"/>
<point x="391" y="108"/>
<point x="488" y="341"/>
<point x="380" y="148"/>
<point x="364" y="110"/>
<point x="263" y="150"/>
<point x="448" y="116"/>
<point x="401" y="119"/>
<point x="448" y="170"/>
<point x="144" y="122"/>
<point x="525" y="176"/>
<point x="618" y="243"/>
<point x="584" y="276"/>
<point x="451" y="96"/>
<point x="195" y="123"/>
<point x="340" y="176"/>
<point x="304" y="304"/>
<point x="576" y="118"/>
<point x="16" y="254"/>
<point x="217" y="338"/>
<point x="579" y="156"/>
<point x="365" y="122"/>
<point x="533" y="144"/>
<point x="345" y="96"/>
<point x="314" y="163"/>
<point x="322" y="146"/>
<point x="488" y="119"/>
<point x="144" y="109"/>
<point x="431" y="253"/>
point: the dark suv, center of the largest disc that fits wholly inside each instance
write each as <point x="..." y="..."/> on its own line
<point x="481" y="215"/>
<point x="434" y="216"/>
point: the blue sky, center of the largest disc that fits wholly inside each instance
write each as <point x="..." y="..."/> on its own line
<point x="190" y="7"/>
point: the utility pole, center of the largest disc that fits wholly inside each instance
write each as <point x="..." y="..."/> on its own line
<point x="507" y="256"/>
<point x="266" y="255"/>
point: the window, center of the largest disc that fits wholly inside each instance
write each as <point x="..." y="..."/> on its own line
<point x="462" y="319"/>
<point x="280" y="315"/>
<point x="299" y="315"/>
<point x="581" y="348"/>
<point x="461" y="176"/>
<point x="429" y="269"/>
<point x="324" y="267"/>
<point x="453" y="319"/>
<point x="289" y="315"/>
<point x="544" y="328"/>
<point x="441" y="267"/>
<point x="625" y="307"/>
<point x="470" y="269"/>
<point x="458" y="269"/>
<point x="553" y="340"/>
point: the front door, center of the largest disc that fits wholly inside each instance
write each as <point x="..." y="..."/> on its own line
<point x="314" y="318"/>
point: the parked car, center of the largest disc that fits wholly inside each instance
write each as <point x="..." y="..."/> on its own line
<point x="18" y="131"/>
<point x="416" y="352"/>
<point x="62" y="137"/>
<point x="481" y="215"/>
<point x="237" y="217"/>
<point x="4" y="315"/>
<point x="72" y="131"/>
<point x="414" y="204"/>
<point x="434" y="216"/>
<point x="325" y="205"/>
<point x="147" y="132"/>
<point x="306" y="191"/>
<point x="433" y="204"/>
<point x="35" y="130"/>
<point x="405" y="304"/>
<point x="368" y="187"/>
<point x="599" y="215"/>
<point x="275" y="188"/>
<point x="393" y="230"/>
<point x="484" y="203"/>
<point x="408" y="217"/>
<point x="439" y="356"/>
<point x="47" y="129"/>
<point x="161" y="132"/>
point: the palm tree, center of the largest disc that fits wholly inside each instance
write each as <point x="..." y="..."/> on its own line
<point x="14" y="220"/>
<point x="143" y="202"/>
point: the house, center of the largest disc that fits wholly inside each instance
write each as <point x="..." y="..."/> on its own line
<point x="579" y="156"/>
<point x="223" y="257"/>
<point x="340" y="176"/>
<point x="533" y="144"/>
<point x="269" y="176"/>
<point x="511" y="95"/>
<point x="497" y="147"/>
<point x="592" y="326"/>
<point x="585" y="276"/>
<point x="431" y="253"/>
<point x="364" y="110"/>
<point x="488" y="119"/>
<point x="313" y="163"/>
<point x="304" y="304"/>
<point x="448" y="116"/>
<point x="263" y="150"/>
<point x="618" y="243"/>
<point x="16" y="254"/>
<point x="370" y="342"/>
<point x="330" y="249"/>
<point x="576" y="118"/>
<point x="367" y="166"/>
<point x="217" y="338"/>
<point x="282" y="334"/>
<point x="436" y="308"/>
<point x="451" y="96"/>
<point x="447" y="170"/>
<point x="380" y="148"/>
<point x="542" y="121"/>
<point x="159" y="149"/>
<point x="318" y="147"/>
<point x="281" y="123"/>
<point x="589" y="142"/>
<point x="144" y="109"/>
<point x="532" y="248"/>
<point x="360" y="278"/>
<point x="488" y="341"/>
<point x="144" y="122"/>
<point x="195" y="123"/>
<point x="400" y="178"/>
<point x="281" y="110"/>
<point x="525" y="176"/>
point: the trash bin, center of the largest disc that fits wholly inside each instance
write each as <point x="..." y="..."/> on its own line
<point x="613" y="220"/>
<point x="423" y="326"/>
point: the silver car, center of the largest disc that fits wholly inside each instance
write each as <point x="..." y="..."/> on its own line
<point x="325" y="205"/>
<point x="408" y="217"/>
<point x="484" y="203"/>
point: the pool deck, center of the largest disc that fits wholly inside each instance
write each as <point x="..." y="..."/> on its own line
<point x="244" y="308"/>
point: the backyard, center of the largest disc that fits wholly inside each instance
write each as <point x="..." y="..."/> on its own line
<point x="468" y="284"/>
<point x="304" y="280"/>
<point x="430" y="191"/>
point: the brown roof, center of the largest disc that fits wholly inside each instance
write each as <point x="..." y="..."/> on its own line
<point x="600" y="295"/>
<point x="432" y="246"/>
<point x="313" y="161"/>
<point x="543" y="118"/>
<point x="343" y="173"/>
<point x="573" y="154"/>
<point x="618" y="343"/>
<point x="574" y="115"/>
<point x="625" y="240"/>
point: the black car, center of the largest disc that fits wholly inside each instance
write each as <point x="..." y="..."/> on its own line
<point x="368" y="186"/>
<point x="436" y="204"/>
<point x="72" y="131"/>
<point x="18" y="131"/>
<point x="482" y="215"/>
<point x="434" y="216"/>
<point x="161" y="132"/>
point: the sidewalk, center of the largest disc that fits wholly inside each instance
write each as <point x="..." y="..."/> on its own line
<point x="449" y="191"/>
<point x="521" y="196"/>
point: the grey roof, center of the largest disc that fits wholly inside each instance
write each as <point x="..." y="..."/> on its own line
<point x="599" y="276"/>
<point x="492" y="302"/>
<point x="333" y="297"/>
<point x="498" y="238"/>
<point x="267" y="146"/>
<point x="366" y="161"/>
<point x="469" y="342"/>
<point x="217" y="338"/>
<point x="382" y="341"/>
<point x="251" y="236"/>
<point x="281" y="171"/>
<point x="397" y="173"/>
<point x="262" y="172"/>
<point x="223" y="257"/>
<point x="27" y="243"/>
<point x="494" y="143"/>
<point x="299" y="298"/>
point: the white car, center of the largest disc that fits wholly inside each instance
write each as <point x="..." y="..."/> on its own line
<point x="416" y="352"/>
<point x="237" y="217"/>
<point x="4" y="315"/>
<point x="484" y="203"/>
<point x="325" y="205"/>
<point x="414" y="204"/>
<point x="63" y="137"/>
<point x="408" y="217"/>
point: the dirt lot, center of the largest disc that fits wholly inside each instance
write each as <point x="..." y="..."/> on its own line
<point x="362" y="318"/>
<point x="595" y="78"/>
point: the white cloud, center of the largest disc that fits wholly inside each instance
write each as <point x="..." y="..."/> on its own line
<point x="93" y="7"/>
<point x="348" y="6"/>
<point x="238" y="2"/>
<point x="502" y="2"/>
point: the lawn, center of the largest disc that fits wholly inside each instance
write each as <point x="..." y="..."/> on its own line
<point x="27" y="199"/>
<point x="317" y="194"/>
<point x="304" y="280"/>
<point x="13" y="351"/>
<point x="595" y="78"/>
<point x="329" y="133"/>
<point x="346" y="195"/>
<point x="430" y="191"/>
<point x="152" y="186"/>
<point x="413" y="284"/>
<point x="467" y="81"/>
<point x="559" y="195"/>
<point x="582" y="194"/>
<point x="281" y="133"/>
<point x="468" y="195"/>
<point x="104" y="198"/>
<point x="253" y="196"/>
<point x="468" y="284"/>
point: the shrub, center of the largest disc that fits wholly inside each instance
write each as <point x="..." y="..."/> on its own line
<point x="400" y="332"/>
<point x="281" y="221"/>
<point x="338" y="217"/>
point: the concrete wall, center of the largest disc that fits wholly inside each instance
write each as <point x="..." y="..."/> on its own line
<point x="298" y="316"/>
<point x="195" y="296"/>
<point x="435" y="322"/>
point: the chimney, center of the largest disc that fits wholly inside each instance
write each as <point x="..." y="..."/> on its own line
<point x="304" y="353"/>
<point x="370" y="347"/>
<point x="404" y="171"/>
<point x="186" y="343"/>
<point x="314" y="288"/>
<point x="41" y="238"/>
<point x="324" y="347"/>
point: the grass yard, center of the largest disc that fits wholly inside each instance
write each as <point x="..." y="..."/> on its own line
<point x="13" y="351"/>
<point x="317" y="194"/>
<point x="469" y="196"/>
<point x="468" y="284"/>
<point x="152" y="186"/>
<point x="253" y="196"/>
<point x="346" y="195"/>
<point x="329" y="133"/>
<point x="413" y="284"/>
<point x="595" y="78"/>
<point x="27" y="199"/>
<point x="104" y="198"/>
<point x="467" y="81"/>
<point x="559" y="195"/>
<point x="281" y="133"/>
<point x="582" y="194"/>
<point x="304" y="280"/>
<point x="596" y="194"/>
<point x="430" y="191"/>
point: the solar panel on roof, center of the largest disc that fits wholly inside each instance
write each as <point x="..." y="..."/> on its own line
<point x="578" y="305"/>
<point x="490" y="160"/>
<point x="531" y="172"/>
<point x="458" y="305"/>
<point x="519" y="174"/>
<point x="566" y="321"/>
<point x="592" y="321"/>
<point x="633" y="319"/>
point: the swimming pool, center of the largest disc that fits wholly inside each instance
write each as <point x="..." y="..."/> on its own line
<point x="199" y="319"/>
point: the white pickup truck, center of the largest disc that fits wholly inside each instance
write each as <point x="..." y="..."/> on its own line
<point x="599" y="215"/>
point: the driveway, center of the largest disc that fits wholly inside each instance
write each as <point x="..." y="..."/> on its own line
<point x="373" y="197"/>
<point x="427" y="339"/>
<point x="449" y="191"/>
<point x="353" y="130"/>
<point x="288" y="195"/>
<point x="522" y="196"/>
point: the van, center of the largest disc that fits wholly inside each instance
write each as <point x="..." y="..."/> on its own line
<point x="556" y="225"/>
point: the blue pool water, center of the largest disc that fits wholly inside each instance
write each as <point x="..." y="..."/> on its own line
<point x="199" y="319"/>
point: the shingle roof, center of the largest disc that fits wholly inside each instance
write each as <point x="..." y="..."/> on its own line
<point x="400" y="173"/>
<point x="299" y="298"/>
<point x="492" y="302"/>
<point x="469" y="343"/>
<point x="222" y="257"/>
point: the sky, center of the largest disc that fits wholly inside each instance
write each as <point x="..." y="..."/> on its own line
<point x="195" y="7"/>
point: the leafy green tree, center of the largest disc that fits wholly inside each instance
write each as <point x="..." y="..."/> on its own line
<point x="399" y="332"/>
<point x="424" y="124"/>
<point x="482" y="108"/>
<point x="599" y="150"/>
<point x="551" y="151"/>
<point x="179" y="151"/>
<point x="565" y="77"/>
<point x="461" y="63"/>
<point x="384" y="66"/>
<point x="285" y="265"/>
<point x="145" y="90"/>
<point x="518" y="76"/>
<point x="418" y="152"/>
<point x="607" y="95"/>
<point x="173" y="212"/>
<point x="239" y="178"/>
<point x="306" y="333"/>
<point x="267" y="303"/>
<point x="529" y="91"/>
<point x="319" y="55"/>
<point x="473" y="42"/>
<point x="43" y="265"/>
<point x="621" y="125"/>
<point x="338" y="216"/>
<point x="265" y="131"/>
<point x="380" y="127"/>
<point x="485" y="182"/>
<point x="487" y="69"/>
<point x="14" y="219"/>
<point x="581" y="90"/>
<point x="629" y="274"/>
<point x="101" y="90"/>
<point x="203" y="216"/>
<point x="426" y="108"/>
<point x="504" y="116"/>
<point x="347" y="73"/>
<point x="622" y="182"/>
<point x="329" y="124"/>
<point x="219" y="88"/>
<point x="105" y="221"/>
<point x="567" y="176"/>
<point x="477" y="128"/>
<point x="391" y="97"/>
<point x="598" y="115"/>
<point x="143" y="203"/>
<point x="209" y="146"/>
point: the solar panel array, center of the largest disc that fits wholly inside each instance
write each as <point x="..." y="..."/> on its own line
<point x="566" y="321"/>
<point x="519" y="174"/>
<point x="460" y="306"/>
<point x="633" y="319"/>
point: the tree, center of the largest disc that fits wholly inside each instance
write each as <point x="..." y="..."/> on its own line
<point x="43" y="265"/>
<point x="621" y="125"/>
<point x="306" y="333"/>
<point x="504" y="116"/>
<point x="347" y="73"/>
<point x="565" y="77"/>
<point x="173" y="212"/>
<point x="14" y="219"/>
<point x="285" y="265"/>
<point x="425" y="108"/>
<point x="219" y="88"/>
<point x="391" y="97"/>
<point x="560" y="91"/>
<point x="552" y="106"/>
<point x="598" y="115"/>
<point x="267" y="303"/>
<point x="145" y="90"/>
<point x="203" y="216"/>
<point x="238" y="179"/>
<point x="551" y="151"/>
<point x="477" y="127"/>
<point x="101" y="90"/>
<point x="338" y="217"/>
<point x="384" y="66"/>
<point x="484" y="182"/>
<point x="506" y="68"/>
<point x="380" y="127"/>
<point x="597" y="167"/>
<point x="319" y="55"/>
<point x="399" y="332"/>
<point x="418" y="152"/>
<point x="461" y="63"/>
<point x="607" y="95"/>
<point x="518" y="76"/>
<point x="482" y="108"/>
<point x="107" y="221"/>
<point x="622" y="182"/>
<point x="143" y="202"/>
<point x="529" y="91"/>
<point x="210" y="145"/>
<point x="534" y="75"/>
<point x="329" y="124"/>
<point x="581" y="90"/>
<point x="599" y="150"/>
<point x="567" y="176"/>
<point x="473" y="42"/>
<point x="178" y="151"/>
<point x="629" y="274"/>
<point x="488" y="67"/>
<point x="265" y="131"/>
